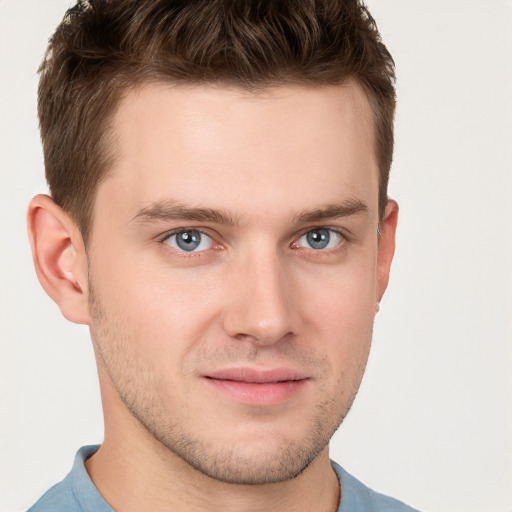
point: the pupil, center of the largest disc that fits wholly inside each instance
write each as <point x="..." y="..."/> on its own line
<point x="188" y="240"/>
<point x="319" y="238"/>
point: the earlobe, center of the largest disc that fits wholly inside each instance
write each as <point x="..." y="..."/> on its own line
<point x="59" y="257"/>
<point x="386" y="247"/>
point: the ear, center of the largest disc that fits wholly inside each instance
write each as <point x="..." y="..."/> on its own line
<point x="386" y="248"/>
<point x="59" y="257"/>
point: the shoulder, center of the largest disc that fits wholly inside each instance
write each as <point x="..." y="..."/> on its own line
<point x="76" y="493"/>
<point x="58" y="498"/>
<point x="357" y="497"/>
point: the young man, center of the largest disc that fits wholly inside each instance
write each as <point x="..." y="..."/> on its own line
<point x="219" y="218"/>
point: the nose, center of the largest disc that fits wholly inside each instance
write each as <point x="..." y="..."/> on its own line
<point x="261" y="306"/>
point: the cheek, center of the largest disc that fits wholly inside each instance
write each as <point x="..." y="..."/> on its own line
<point x="345" y="293"/>
<point x="341" y="312"/>
<point x="160" y="309"/>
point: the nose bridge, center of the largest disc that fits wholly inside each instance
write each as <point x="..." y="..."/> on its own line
<point x="260" y="307"/>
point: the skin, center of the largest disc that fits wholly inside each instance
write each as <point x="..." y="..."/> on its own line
<point x="273" y="167"/>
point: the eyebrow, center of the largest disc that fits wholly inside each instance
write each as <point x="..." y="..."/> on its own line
<point x="174" y="210"/>
<point x="170" y="210"/>
<point x="345" y="208"/>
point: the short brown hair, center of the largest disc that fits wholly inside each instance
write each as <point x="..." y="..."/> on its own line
<point x="102" y="48"/>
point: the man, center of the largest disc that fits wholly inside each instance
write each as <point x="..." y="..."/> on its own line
<point x="219" y="218"/>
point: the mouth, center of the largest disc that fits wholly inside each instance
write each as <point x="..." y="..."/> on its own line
<point x="256" y="387"/>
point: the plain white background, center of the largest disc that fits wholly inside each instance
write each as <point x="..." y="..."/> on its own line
<point x="433" y="421"/>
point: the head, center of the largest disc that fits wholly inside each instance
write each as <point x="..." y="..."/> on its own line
<point x="218" y="172"/>
<point x="104" y="49"/>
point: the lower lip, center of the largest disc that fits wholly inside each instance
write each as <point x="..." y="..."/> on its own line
<point x="266" y="394"/>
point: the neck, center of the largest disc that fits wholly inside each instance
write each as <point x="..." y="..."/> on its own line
<point x="133" y="471"/>
<point x="132" y="475"/>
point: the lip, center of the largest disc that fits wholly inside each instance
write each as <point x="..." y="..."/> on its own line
<point x="258" y="387"/>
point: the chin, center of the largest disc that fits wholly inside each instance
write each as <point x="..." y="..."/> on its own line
<point x="240" y="466"/>
<point x="255" y="460"/>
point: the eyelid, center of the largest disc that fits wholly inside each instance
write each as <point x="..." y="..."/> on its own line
<point x="183" y="253"/>
<point x="344" y="237"/>
<point x="342" y="233"/>
<point x="177" y="231"/>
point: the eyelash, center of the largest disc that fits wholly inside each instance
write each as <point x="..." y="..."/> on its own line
<point x="294" y="245"/>
<point x="339" y="246"/>
<point x="188" y="254"/>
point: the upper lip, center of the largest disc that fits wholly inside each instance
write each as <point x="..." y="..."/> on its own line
<point x="257" y="376"/>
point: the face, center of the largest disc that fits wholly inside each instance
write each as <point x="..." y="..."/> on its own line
<point x="234" y="270"/>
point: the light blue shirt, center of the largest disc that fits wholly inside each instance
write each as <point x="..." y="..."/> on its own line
<point x="76" y="493"/>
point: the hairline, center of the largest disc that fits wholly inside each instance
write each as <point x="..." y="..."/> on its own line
<point x="107" y="139"/>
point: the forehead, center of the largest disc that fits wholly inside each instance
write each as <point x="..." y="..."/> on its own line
<point x="208" y="146"/>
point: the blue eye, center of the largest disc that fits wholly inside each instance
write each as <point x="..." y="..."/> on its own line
<point x="189" y="240"/>
<point x="321" y="238"/>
